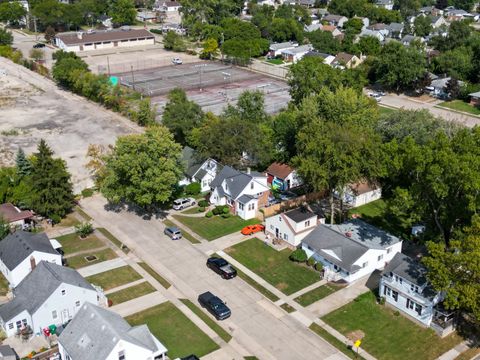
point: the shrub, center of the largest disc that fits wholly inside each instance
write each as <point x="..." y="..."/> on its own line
<point x="201" y="209"/>
<point x="84" y="229"/>
<point x="203" y="203"/>
<point x="55" y="218"/>
<point x="381" y="301"/>
<point x="311" y="261"/>
<point x="193" y="188"/>
<point x="226" y="216"/>
<point x="156" y="31"/>
<point x="209" y="214"/>
<point x="219" y="209"/>
<point x="87" y="192"/>
<point x="396" y="313"/>
<point x="298" y="255"/>
<point x="318" y="266"/>
<point x="226" y="210"/>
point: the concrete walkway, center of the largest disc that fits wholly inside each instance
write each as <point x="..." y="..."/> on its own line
<point x="102" y="267"/>
<point x="453" y="353"/>
<point x="125" y="286"/>
<point x="139" y="304"/>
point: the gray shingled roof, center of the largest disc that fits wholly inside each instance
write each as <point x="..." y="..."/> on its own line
<point x="407" y="268"/>
<point x="37" y="287"/>
<point x="366" y="234"/>
<point x="226" y="172"/>
<point x="18" y="246"/>
<point x="299" y="214"/>
<point x="94" y="332"/>
<point x="7" y="353"/>
<point x="283" y="45"/>
<point x="244" y="199"/>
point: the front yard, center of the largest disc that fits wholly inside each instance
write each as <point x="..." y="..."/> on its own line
<point x="178" y="333"/>
<point x="460" y="105"/>
<point x="130" y="293"/>
<point x="82" y="260"/>
<point x="113" y="278"/>
<point x="388" y="336"/>
<point x="273" y="266"/>
<point x="318" y="293"/>
<point x="72" y="243"/>
<point x="216" y="226"/>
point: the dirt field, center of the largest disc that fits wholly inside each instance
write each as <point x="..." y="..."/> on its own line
<point x="32" y="107"/>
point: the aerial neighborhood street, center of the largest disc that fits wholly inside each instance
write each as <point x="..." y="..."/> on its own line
<point x="229" y="179"/>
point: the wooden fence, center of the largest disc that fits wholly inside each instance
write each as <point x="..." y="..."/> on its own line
<point x="289" y="204"/>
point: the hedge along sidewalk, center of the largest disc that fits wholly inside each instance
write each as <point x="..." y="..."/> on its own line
<point x="207" y="320"/>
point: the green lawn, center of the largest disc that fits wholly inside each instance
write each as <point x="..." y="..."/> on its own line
<point x="207" y="320"/>
<point x="130" y="293"/>
<point x="114" y="240"/>
<point x="216" y="226"/>
<point x="192" y="210"/>
<point x="275" y="61"/>
<point x="112" y="278"/>
<point x="69" y="220"/>
<point x="317" y="294"/>
<point x="317" y="329"/>
<point x="274" y="266"/>
<point x="72" y="243"/>
<point x="185" y="234"/>
<point x="383" y="110"/>
<point x="287" y="307"/>
<point x="3" y="285"/>
<point x="388" y="336"/>
<point x="179" y="334"/>
<point x="82" y="213"/>
<point x="265" y="292"/>
<point x="79" y="261"/>
<point x="155" y="275"/>
<point x="460" y="105"/>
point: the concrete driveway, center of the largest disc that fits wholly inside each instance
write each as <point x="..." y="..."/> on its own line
<point x="256" y="324"/>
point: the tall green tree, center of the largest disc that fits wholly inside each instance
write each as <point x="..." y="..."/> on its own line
<point x="143" y="168"/>
<point x="422" y="26"/>
<point x="146" y="113"/>
<point x="12" y="12"/>
<point x="4" y="228"/>
<point x="6" y="37"/>
<point x="51" y="185"/>
<point x="23" y="165"/>
<point x="324" y="41"/>
<point x="181" y="115"/>
<point x="123" y="12"/>
<point x="369" y="45"/>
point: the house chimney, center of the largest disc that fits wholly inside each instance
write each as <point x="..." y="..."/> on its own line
<point x="248" y="171"/>
<point x="33" y="263"/>
<point x="80" y="35"/>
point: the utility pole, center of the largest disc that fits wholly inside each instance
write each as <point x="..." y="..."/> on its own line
<point x="108" y="66"/>
<point x="133" y="77"/>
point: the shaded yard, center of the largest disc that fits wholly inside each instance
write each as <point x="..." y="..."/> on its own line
<point x="112" y="278"/>
<point x="317" y="294"/>
<point x="178" y="333"/>
<point x="216" y="226"/>
<point x="79" y="261"/>
<point x="130" y="293"/>
<point x="388" y="336"/>
<point x="72" y="243"/>
<point x="273" y="266"/>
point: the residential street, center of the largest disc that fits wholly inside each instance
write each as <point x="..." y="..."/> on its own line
<point x="256" y="324"/>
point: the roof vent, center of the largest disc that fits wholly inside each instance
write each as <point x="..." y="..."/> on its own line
<point x="92" y="315"/>
<point x="103" y="327"/>
<point x="114" y="339"/>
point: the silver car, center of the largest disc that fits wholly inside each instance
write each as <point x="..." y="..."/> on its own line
<point x="173" y="233"/>
<point x="183" y="203"/>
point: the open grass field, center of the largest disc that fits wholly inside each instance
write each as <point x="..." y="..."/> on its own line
<point x="388" y="336"/>
<point x="130" y="293"/>
<point x="273" y="266"/>
<point x="113" y="278"/>
<point x="317" y="294"/>
<point x="79" y="261"/>
<point x="216" y="226"/>
<point x="178" y="333"/>
<point x="72" y="243"/>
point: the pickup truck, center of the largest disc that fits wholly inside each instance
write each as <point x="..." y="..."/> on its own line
<point x="215" y="305"/>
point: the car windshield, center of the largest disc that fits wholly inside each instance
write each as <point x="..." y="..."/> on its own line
<point x="177" y="202"/>
<point x="222" y="262"/>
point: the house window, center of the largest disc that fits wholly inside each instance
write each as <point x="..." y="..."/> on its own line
<point x="77" y="303"/>
<point x="410" y="304"/>
<point x="380" y="257"/>
<point x="251" y="206"/>
<point x="285" y="236"/>
<point x="307" y="223"/>
<point x="395" y="295"/>
<point x="414" y="288"/>
<point x="418" y="309"/>
<point x="240" y="206"/>
<point x="121" y="355"/>
<point x="10" y="326"/>
<point x="396" y="277"/>
<point x="389" y="251"/>
<point x="54" y="314"/>
<point x="18" y="324"/>
<point x="387" y="291"/>
<point x="252" y="185"/>
<point x="365" y="264"/>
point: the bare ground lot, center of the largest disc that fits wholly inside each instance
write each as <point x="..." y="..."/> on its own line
<point x="32" y="107"/>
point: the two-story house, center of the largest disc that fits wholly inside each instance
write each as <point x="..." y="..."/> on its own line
<point x="351" y="250"/>
<point x="291" y="226"/>
<point x="99" y="334"/>
<point x="50" y="295"/>
<point x="202" y="172"/>
<point x="20" y="251"/>
<point x="244" y="192"/>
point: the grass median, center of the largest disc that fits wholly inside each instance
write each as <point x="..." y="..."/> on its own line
<point x="155" y="275"/>
<point x="317" y="294"/>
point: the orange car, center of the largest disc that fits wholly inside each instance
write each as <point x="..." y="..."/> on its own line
<point x="252" y="229"/>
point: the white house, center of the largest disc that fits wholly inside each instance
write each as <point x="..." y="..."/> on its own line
<point x="351" y="250"/>
<point x="244" y="192"/>
<point x="361" y="193"/>
<point x="374" y="33"/>
<point x="282" y="177"/>
<point x="50" y="295"/>
<point x="198" y="171"/>
<point x="295" y="54"/>
<point x="335" y="20"/>
<point x="168" y="6"/>
<point x="99" y="334"/>
<point x="276" y="49"/>
<point x="94" y="40"/>
<point x="386" y="4"/>
<point x="21" y="251"/>
<point x="438" y="21"/>
<point x="14" y="216"/>
<point x="405" y="287"/>
<point x="291" y="226"/>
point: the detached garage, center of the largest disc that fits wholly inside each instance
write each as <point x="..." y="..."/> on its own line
<point x="82" y="41"/>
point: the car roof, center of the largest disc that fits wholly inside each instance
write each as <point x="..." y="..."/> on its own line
<point x="173" y="229"/>
<point x="217" y="259"/>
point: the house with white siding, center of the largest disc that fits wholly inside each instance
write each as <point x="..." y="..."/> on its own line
<point x="202" y="172"/>
<point x="14" y="216"/>
<point x="99" y="334"/>
<point x="50" y="295"/>
<point x="351" y="250"/>
<point x="21" y="251"/>
<point x="361" y="193"/>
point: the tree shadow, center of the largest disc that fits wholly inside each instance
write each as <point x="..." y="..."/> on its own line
<point x="146" y="214"/>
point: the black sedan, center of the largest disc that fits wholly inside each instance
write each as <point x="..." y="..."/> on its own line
<point x="222" y="267"/>
<point x="215" y="305"/>
<point x="38" y="46"/>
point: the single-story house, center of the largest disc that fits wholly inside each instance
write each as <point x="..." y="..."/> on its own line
<point x="335" y="20"/>
<point x="84" y="41"/>
<point x="351" y="250"/>
<point x="312" y="27"/>
<point x="202" y="172"/>
<point x="21" y="251"/>
<point x="438" y="21"/>
<point x="333" y="30"/>
<point x="99" y="334"/>
<point x="50" y="295"/>
<point x="373" y="33"/>
<point x="282" y="177"/>
<point x="438" y="86"/>
<point x="106" y="21"/>
<point x="386" y="4"/>
<point x="14" y="216"/>
<point x="245" y="192"/>
<point x="327" y="58"/>
<point x="475" y="98"/>
<point x="291" y="226"/>
<point x="405" y="287"/>
<point x="344" y="60"/>
<point x="168" y="6"/>
<point x="276" y="49"/>
<point x="146" y="16"/>
<point x="408" y="39"/>
<point x="395" y="30"/>
<point x="361" y="193"/>
<point x="295" y="54"/>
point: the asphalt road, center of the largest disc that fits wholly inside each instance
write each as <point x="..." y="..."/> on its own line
<point x="256" y="324"/>
<point x="24" y="43"/>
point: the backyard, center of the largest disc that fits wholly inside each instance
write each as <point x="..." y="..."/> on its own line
<point x="178" y="333"/>
<point x="273" y="266"/>
<point x="216" y="226"/>
<point x="460" y="105"/>
<point x="113" y="278"/>
<point x="72" y="243"/>
<point x="388" y="335"/>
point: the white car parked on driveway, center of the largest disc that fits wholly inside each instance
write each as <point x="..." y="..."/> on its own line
<point x="183" y="203"/>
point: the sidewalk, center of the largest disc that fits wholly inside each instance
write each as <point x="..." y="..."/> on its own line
<point x="139" y="304"/>
<point x="125" y="286"/>
<point x="102" y="267"/>
<point x="453" y="353"/>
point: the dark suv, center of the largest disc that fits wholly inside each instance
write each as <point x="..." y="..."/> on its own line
<point x="222" y="267"/>
<point x="215" y="305"/>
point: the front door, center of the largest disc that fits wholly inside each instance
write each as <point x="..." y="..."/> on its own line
<point x="276" y="233"/>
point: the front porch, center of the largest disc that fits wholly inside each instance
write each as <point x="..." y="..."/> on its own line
<point x="443" y="320"/>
